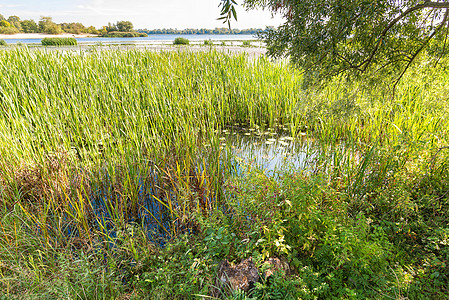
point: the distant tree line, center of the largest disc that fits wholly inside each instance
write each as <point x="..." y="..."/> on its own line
<point x="201" y="31"/>
<point x="14" y="24"/>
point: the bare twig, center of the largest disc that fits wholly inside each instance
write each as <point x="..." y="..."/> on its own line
<point x="432" y="160"/>
<point x="444" y="46"/>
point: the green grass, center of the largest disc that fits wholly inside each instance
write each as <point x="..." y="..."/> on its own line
<point x="208" y="43"/>
<point x="369" y="220"/>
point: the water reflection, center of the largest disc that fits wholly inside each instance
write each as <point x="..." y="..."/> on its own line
<point x="272" y="150"/>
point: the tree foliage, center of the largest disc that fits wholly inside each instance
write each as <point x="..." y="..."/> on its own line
<point x="74" y="28"/>
<point x="4" y="23"/>
<point x="15" y="21"/>
<point x="125" y="26"/>
<point x="222" y="30"/>
<point x="47" y="25"/>
<point x="354" y="36"/>
<point x="29" y="26"/>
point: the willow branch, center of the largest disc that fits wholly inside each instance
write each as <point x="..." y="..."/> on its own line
<point x="439" y="5"/>
<point x="420" y="49"/>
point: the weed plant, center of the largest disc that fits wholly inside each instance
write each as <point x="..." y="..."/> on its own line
<point x="208" y="43"/>
<point x="107" y="155"/>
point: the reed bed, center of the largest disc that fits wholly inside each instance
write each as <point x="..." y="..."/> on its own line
<point x="94" y="143"/>
<point x="126" y="126"/>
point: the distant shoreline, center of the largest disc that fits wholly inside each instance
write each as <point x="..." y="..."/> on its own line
<point x="195" y="33"/>
<point x="42" y="36"/>
<point x="86" y="35"/>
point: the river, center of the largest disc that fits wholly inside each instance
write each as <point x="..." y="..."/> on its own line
<point x="151" y="39"/>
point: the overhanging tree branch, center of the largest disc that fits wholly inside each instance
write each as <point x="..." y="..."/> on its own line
<point x="444" y="45"/>
<point x="439" y="5"/>
<point x="426" y="42"/>
<point x="354" y="36"/>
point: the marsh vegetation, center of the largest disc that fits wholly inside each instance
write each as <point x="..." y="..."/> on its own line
<point x="131" y="173"/>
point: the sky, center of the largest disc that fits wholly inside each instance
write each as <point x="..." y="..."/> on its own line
<point x="150" y="14"/>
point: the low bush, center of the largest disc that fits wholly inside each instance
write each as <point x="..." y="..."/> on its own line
<point x="181" y="41"/>
<point x="178" y="271"/>
<point x="208" y="43"/>
<point x="59" y="42"/>
<point x="121" y="34"/>
<point x="3" y="43"/>
<point x="336" y="251"/>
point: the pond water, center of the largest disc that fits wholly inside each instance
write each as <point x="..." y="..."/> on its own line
<point x="272" y="150"/>
<point x="150" y="40"/>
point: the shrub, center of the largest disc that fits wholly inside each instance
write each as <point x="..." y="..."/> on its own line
<point x="246" y="43"/>
<point x="208" y="43"/>
<point x="178" y="271"/>
<point x="181" y="41"/>
<point x="59" y="42"/>
<point x="121" y="34"/>
<point x="3" y="43"/>
<point x="295" y="217"/>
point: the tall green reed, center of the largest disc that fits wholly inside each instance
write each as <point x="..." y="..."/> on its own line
<point x="114" y="115"/>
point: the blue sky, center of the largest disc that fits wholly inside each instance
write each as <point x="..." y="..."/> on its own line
<point x="143" y="13"/>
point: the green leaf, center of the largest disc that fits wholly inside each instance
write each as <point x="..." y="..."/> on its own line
<point x="234" y="13"/>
